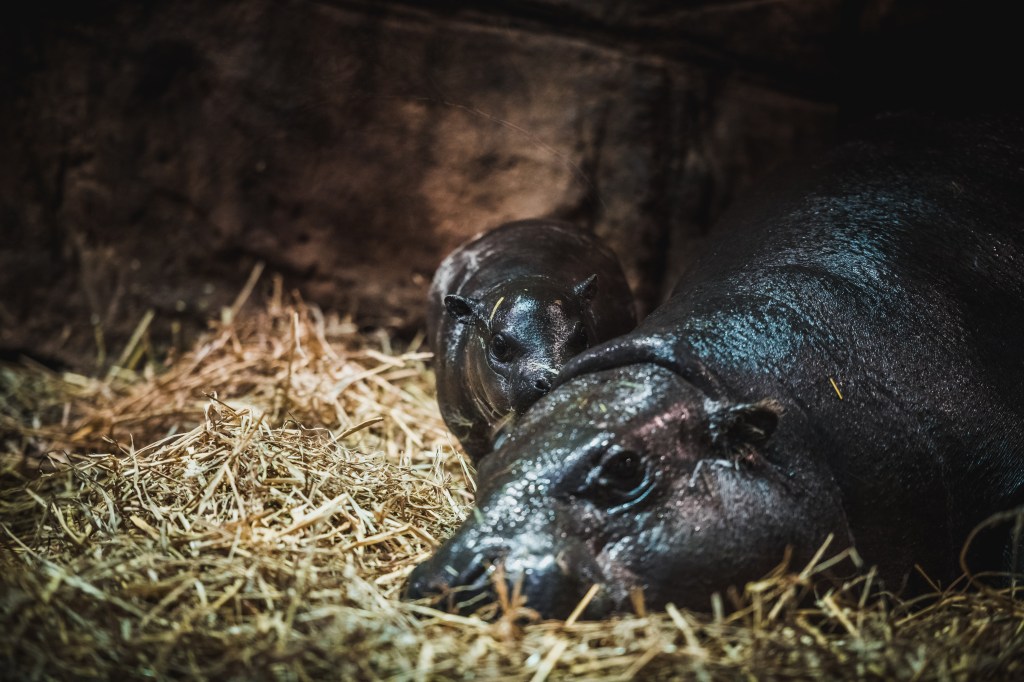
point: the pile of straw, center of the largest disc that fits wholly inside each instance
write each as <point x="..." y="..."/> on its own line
<point x="252" y="511"/>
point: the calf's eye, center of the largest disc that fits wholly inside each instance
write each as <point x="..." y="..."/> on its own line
<point x="501" y="349"/>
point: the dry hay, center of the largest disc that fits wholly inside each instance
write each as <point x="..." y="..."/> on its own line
<point x="252" y="511"/>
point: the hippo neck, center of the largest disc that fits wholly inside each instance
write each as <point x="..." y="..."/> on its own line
<point x="657" y="349"/>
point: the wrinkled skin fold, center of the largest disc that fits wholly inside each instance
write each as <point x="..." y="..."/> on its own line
<point x="688" y="455"/>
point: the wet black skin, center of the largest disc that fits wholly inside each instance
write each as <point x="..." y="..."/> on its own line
<point x="895" y="267"/>
<point x="508" y="310"/>
<point x="610" y="479"/>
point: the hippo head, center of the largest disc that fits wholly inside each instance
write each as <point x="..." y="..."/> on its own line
<point x="522" y="335"/>
<point x="634" y="478"/>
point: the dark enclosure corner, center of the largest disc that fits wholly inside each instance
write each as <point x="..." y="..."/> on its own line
<point x="154" y="153"/>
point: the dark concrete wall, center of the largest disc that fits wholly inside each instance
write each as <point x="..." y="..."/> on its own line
<point x="154" y="152"/>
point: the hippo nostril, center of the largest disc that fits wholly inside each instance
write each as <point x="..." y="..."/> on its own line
<point x="458" y="588"/>
<point x="477" y="573"/>
<point x="474" y="575"/>
<point x="543" y="384"/>
<point x="473" y="586"/>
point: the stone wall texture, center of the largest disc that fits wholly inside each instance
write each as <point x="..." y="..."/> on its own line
<point x="154" y="152"/>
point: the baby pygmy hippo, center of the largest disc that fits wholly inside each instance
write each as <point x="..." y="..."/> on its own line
<point x="507" y="310"/>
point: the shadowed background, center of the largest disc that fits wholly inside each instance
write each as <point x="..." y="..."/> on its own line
<point x="153" y="153"/>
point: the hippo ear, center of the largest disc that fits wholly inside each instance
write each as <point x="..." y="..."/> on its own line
<point x="464" y="309"/>
<point x="586" y="289"/>
<point x="744" y="424"/>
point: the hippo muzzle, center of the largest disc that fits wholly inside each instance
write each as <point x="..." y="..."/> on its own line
<point x="464" y="574"/>
<point x="533" y="383"/>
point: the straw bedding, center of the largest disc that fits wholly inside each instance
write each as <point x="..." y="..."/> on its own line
<point x="251" y="510"/>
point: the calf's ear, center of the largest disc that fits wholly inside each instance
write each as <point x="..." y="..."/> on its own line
<point x="586" y="289"/>
<point x="464" y="309"/>
<point x="737" y="425"/>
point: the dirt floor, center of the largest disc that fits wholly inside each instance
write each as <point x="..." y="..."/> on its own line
<point x="250" y="510"/>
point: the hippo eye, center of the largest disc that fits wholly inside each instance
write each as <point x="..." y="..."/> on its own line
<point x="620" y="479"/>
<point x="501" y="348"/>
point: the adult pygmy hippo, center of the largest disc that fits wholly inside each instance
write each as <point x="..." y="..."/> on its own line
<point x="507" y="310"/>
<point x="846" y="357"/>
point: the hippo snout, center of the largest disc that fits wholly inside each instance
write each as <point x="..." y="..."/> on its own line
<point x="550" y="580"/>
<point x="460" y="586"/>
<point x="532" y="386"/>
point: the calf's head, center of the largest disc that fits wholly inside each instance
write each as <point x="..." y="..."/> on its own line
<point x="521" y="340"/>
